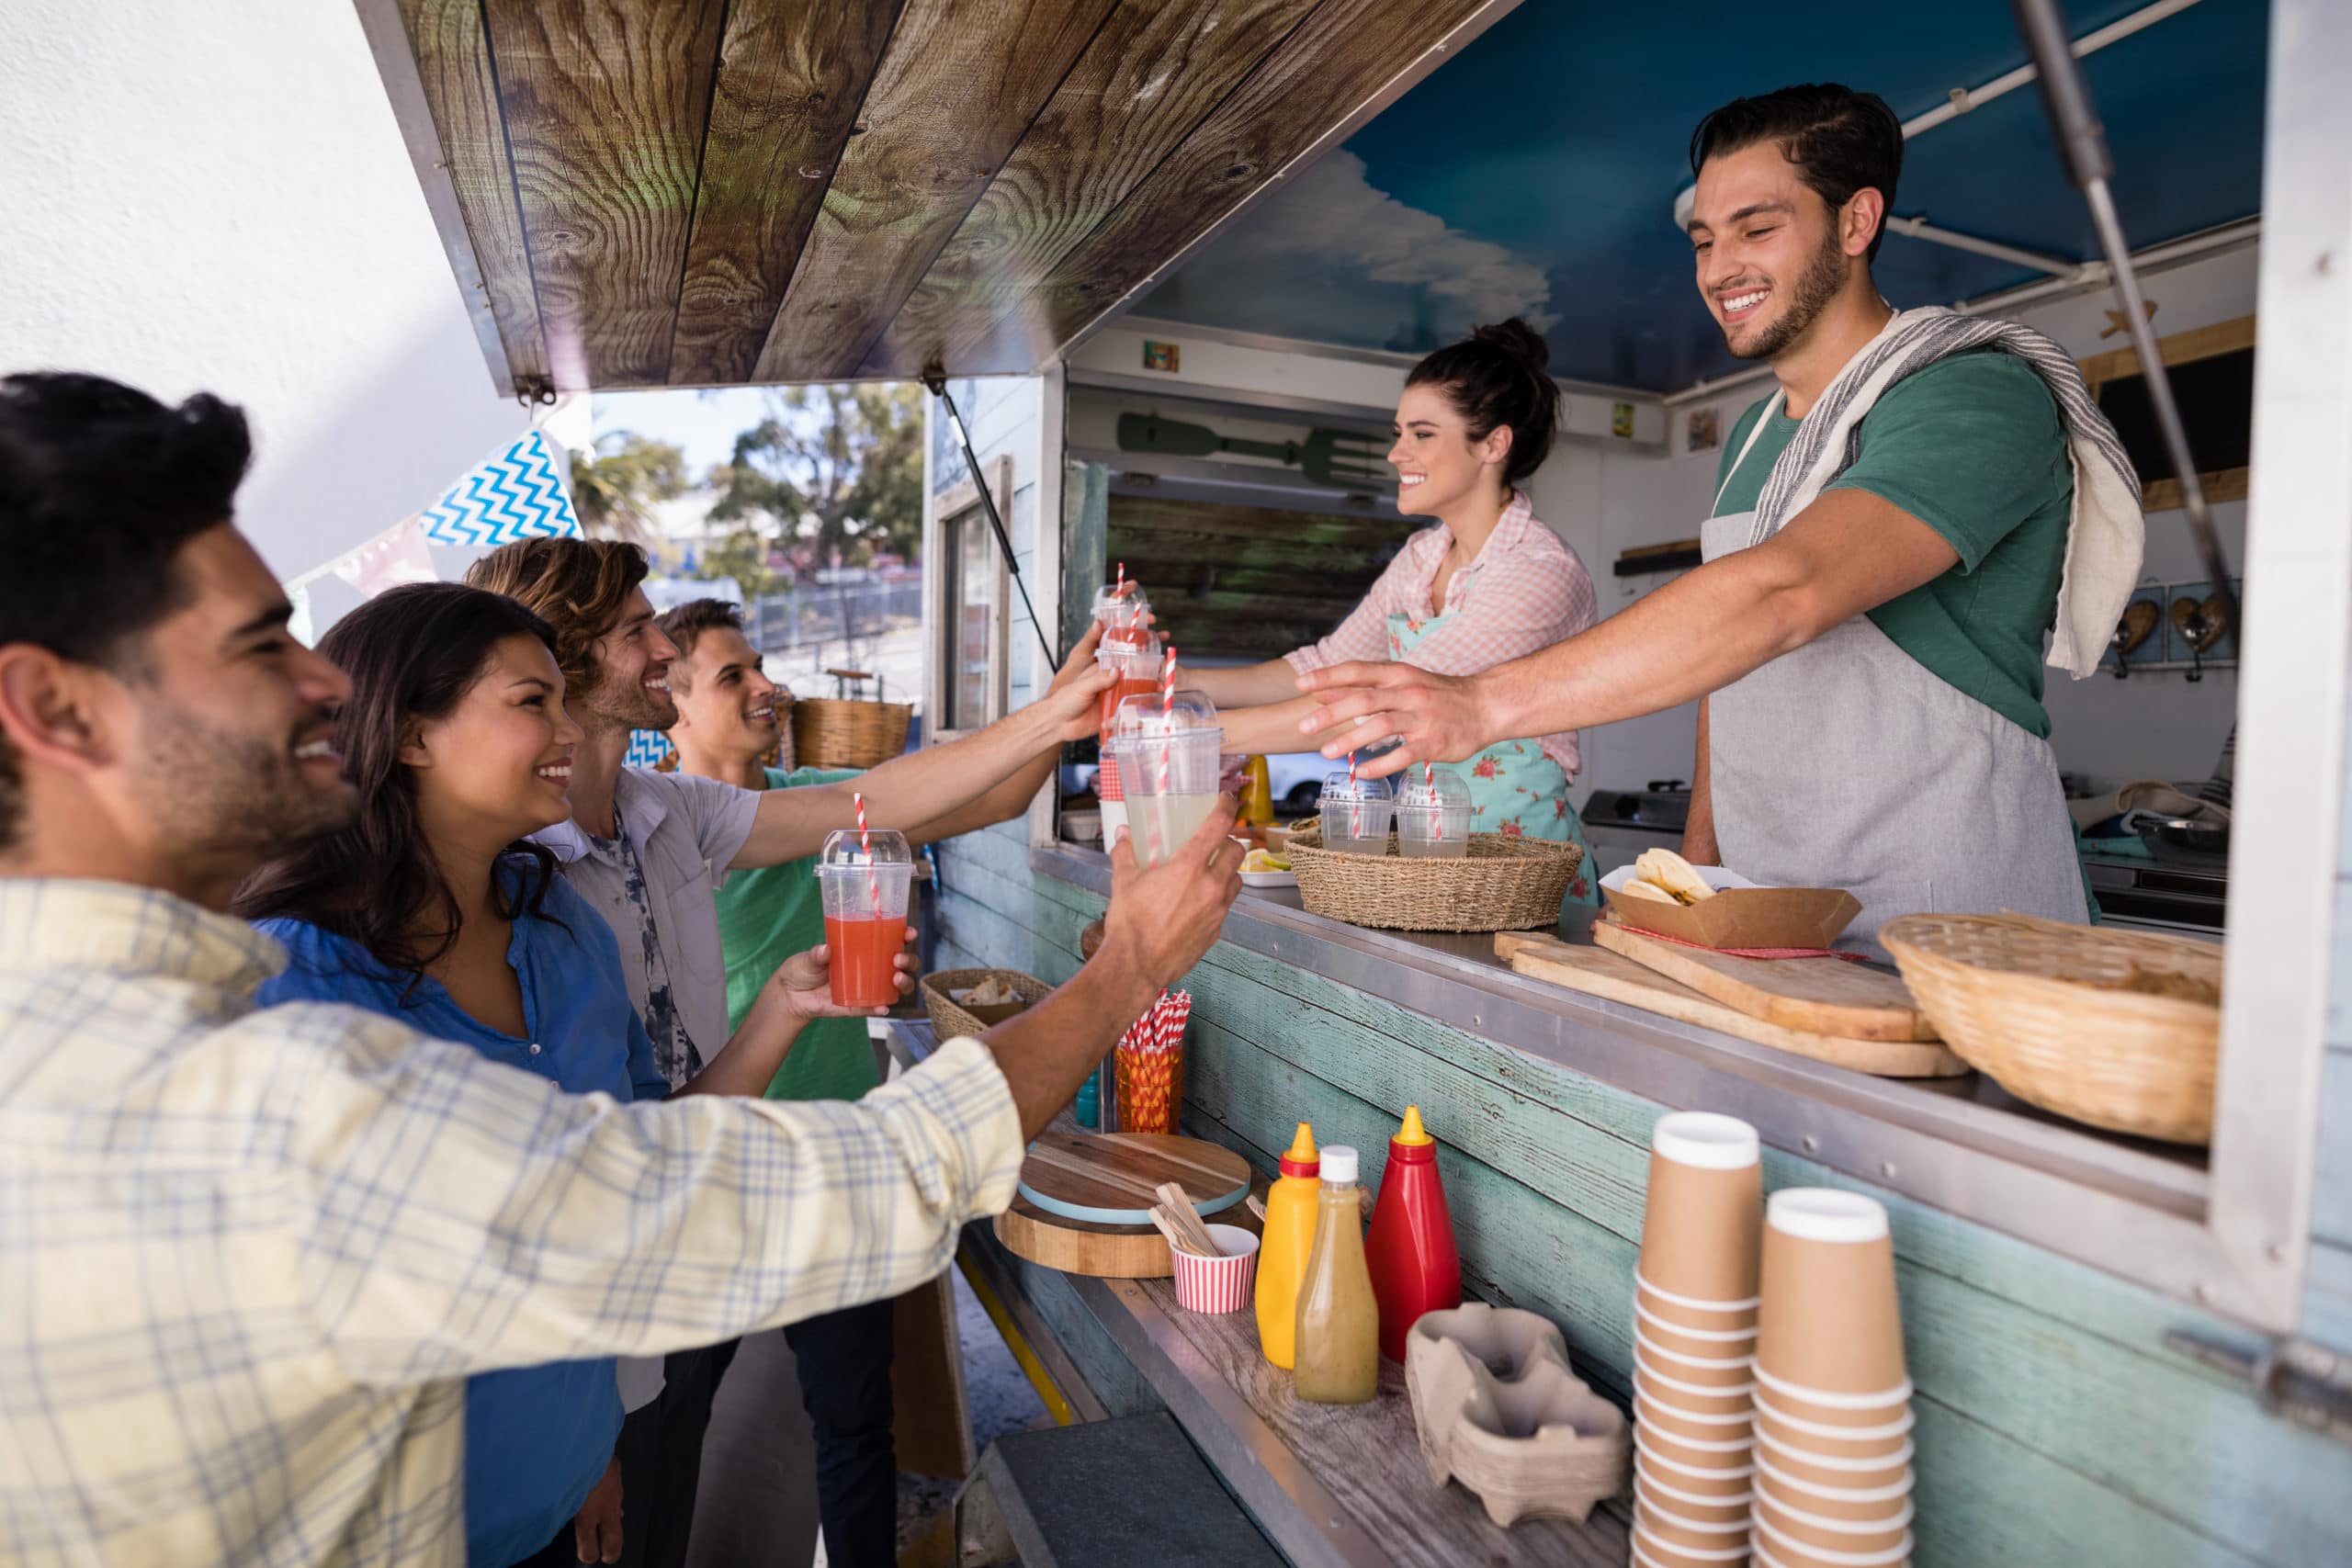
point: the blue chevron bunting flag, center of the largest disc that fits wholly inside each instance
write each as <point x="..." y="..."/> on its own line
<point x="517" y="494"/>
<point x="647" y="747"/>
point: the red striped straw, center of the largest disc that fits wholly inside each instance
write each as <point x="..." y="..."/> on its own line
<point x="1168" y="722"/>
<point x="1355" y="801"/>
<point x="1429" y="784"/>
<point x="865" y="847"/>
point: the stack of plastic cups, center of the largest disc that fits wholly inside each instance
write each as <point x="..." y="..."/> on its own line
<point x="1833" y="1401"/>
<point x="1355" y="813"/>
<point x="1694" y="1344"/>
<point x="1166" y="746"/>
<point x="1432" y="814"/>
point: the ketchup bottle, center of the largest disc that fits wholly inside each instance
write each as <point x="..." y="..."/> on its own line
<point x="1415" y="1268"/>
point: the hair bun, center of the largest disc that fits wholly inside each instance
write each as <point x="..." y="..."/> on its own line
<point x="1519" y="340"/>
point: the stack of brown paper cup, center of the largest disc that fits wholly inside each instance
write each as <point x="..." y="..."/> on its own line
<point x="1833" y="1403"/>
<point x="1694" y="1344"/>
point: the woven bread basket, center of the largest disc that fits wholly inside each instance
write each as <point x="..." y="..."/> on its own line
<point x="840" y="732"/>
<point x="2118" y="1029"/>
<point x="950" y="1020"/>
<point x="1502" y="885"/>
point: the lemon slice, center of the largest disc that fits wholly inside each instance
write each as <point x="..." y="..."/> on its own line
<point x="1262" y="860"/>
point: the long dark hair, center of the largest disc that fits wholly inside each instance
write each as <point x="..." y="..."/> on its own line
<point x="1494" y="378"/>
<point x="411" y="654"/>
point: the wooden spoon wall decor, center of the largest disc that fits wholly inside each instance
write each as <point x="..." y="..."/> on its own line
<point x="2140" y="619"/>
<point x="2201" y="626"/>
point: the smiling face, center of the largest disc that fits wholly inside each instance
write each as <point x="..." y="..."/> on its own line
<point x="725" y="704"/>
<point x="632" y="688"/>
<point x="1438" y="465"/>
<point x="499" y="763"/>
<point x="1772" y="254"/>
<point x="227" y="722"/>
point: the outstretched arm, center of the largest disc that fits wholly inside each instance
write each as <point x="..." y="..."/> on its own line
<point x="1010" y="798"/>
<point x="1847" y="553"/>
<point x="922" y="786"/>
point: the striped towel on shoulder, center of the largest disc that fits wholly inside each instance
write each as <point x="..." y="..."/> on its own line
<point x="2107" y="533"/>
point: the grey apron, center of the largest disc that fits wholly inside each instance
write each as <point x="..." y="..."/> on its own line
<point x="1848" y="763"/>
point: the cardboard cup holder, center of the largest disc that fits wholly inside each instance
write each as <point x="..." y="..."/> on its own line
<point x="1496" y="1408"/>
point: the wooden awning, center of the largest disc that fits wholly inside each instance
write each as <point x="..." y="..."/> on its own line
<point x="702" y="193"/>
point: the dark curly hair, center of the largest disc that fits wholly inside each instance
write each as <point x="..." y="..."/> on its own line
<point x="1495" y="380"/>
<point x="412" y="653"/>
<point x="1840" y="141"/>
<point x="100" y="485"/>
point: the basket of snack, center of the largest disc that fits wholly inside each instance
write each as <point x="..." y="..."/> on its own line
<point x="2118" y="1029"/>
<point x="969" y="1001"/>
<point x="1500" y="883"/>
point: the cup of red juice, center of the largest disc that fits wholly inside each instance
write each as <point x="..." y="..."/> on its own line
<point x="865" y="879"/>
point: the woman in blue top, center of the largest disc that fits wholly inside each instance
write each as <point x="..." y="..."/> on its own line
<point x="432" y="908"/>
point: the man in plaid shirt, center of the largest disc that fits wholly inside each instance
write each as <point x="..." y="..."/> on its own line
<point x="252" y="1253"/>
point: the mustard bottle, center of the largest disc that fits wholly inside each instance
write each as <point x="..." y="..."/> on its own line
<point x="1283" y="1250"/>
<point x="1339" y="1322"/>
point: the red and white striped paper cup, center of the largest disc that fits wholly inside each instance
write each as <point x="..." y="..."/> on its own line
<point x="1218" y="1284"/>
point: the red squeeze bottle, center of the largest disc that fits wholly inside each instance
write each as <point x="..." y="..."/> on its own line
<point x="1415" y="1268"/>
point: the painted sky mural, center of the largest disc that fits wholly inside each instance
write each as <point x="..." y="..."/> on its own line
<point x="1535" y="175"/>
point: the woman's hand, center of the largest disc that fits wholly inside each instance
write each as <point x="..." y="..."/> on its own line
<point x="803" y="983"/>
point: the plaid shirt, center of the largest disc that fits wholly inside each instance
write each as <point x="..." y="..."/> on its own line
<point x="250" y="1254"/>
<point x="1526" y="590"/>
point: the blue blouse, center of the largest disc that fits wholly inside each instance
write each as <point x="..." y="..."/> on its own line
<point x="536" y="1438"/>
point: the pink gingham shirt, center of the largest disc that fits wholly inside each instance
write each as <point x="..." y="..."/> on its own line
<point x="1526" y="590"/>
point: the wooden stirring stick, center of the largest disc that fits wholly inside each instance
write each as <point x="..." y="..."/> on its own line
<point x="1176" y="1238"/>
<point x="1188" y="1219"/>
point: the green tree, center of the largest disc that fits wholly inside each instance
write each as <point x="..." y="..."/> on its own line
<point x="615" y="482"/>
<point x="832" y="476"/>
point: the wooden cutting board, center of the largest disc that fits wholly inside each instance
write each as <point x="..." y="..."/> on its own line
<point x="1598" y="971"/>
<point x="1818" y="995"/>
<point x="1110" y="1252"/>
<point x="1111" y="1178"/>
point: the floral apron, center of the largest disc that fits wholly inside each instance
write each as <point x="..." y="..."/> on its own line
<point x="1515" y="789"/>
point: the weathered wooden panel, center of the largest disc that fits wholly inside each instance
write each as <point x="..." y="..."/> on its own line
<point x="1152" y="74"/>
<point x="2065" y="1364"/>
<point x="958" y="85"/>
<point x="453" y="64"/>
<point x="1108" y="1374"/>
<point x="1335" y="61"/>
<point x="605" y="106"/>
<point x="791" y="78"/>
<point x="2327" y="1296"/>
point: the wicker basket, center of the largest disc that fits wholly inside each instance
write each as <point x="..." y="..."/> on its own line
<point x="840" y="732"/>
<point x="1502" y="885"/>
<point x="952" y="1021"/>
<point x="2119" y="1029"/>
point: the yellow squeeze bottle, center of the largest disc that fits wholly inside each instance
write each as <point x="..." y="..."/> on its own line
<point x="1284" y="1248"/>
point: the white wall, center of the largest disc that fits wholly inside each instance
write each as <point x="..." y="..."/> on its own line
<point x="212" y="195"/>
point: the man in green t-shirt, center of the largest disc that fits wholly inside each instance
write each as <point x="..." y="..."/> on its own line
<point x="1922" y="499"/>
<point x="729" y="718"/>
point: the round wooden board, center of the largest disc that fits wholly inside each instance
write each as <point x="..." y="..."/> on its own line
<point x="1111" y="1252"/>
<point x="1111" y="1178"/>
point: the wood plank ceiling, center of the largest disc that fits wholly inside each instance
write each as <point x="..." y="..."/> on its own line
<point x="699" y="192"/>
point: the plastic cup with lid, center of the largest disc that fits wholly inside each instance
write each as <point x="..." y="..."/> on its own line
<point x="1166" y="746"/>
<point x="864" y="879"/>
<point x="1433" y="814"/>
<point x="1355" y="814"/>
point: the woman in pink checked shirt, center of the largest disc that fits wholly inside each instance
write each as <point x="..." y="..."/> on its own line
<point x="1488" y="583"/>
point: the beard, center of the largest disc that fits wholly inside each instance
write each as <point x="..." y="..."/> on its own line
<point x="634" y="706"/>
<point x="1823" y="277"/>
<point x="223" y="795"/>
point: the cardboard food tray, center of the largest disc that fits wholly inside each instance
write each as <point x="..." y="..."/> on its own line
<point x="1740" y="915"/>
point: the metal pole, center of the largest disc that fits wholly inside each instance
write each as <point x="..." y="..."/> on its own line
<point x="937" y="383"/>
<point x="2081" y="143"/>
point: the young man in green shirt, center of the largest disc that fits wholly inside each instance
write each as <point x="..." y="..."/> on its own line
<point x="1920" y="500"/>
<point x="730" y="716"/>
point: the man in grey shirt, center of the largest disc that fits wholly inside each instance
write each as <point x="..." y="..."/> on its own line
<point x="650" y="851"/>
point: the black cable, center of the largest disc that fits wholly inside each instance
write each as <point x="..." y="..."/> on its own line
<point x="937" y="384"/>
<point x="2081" y="143"/>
